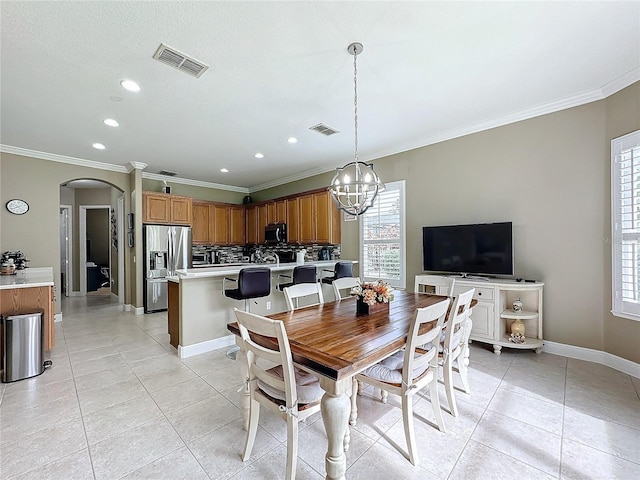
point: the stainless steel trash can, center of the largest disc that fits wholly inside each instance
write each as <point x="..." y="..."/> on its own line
<point x="23" y="346"/>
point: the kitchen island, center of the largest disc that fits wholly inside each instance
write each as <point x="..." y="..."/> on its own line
<point x="198" y="312"/>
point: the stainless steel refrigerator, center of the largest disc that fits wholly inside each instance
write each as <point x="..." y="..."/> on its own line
<point x="167" y="248"/>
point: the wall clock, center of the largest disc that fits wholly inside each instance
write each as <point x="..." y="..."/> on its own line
<point x="17" y="206"/>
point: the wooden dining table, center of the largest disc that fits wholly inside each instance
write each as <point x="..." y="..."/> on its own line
<point x="335" y="343"/>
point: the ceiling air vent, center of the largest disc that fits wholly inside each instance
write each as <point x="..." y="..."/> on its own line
<point x="324" y="129"/>
<point x="167" y="173"/>
<point x="179" y="60"/>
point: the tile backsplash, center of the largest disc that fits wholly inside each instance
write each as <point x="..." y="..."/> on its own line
<point x="286" y="252"/>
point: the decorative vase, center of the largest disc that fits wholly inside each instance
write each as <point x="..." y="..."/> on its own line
<point x="363" y="308"/>
<point x="517" y="327"/>
<point x="517" y="305"/>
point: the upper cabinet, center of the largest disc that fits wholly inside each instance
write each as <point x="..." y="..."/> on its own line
<point x="318" y="219"/>
<point x="200" y="225"/>
<point x="311" y="217"/>
<point x="167" y="209"/>
<point x="293" y="220"/>
<point x="263" y="220"/>
<point x="219" y="226"/>
<point x="237" y="221"/>
<point x="252" y="224"/>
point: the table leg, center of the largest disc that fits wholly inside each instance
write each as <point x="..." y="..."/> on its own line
<point x="335" y="407"/>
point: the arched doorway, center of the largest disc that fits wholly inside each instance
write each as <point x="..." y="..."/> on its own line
<point x="91" y="240"/>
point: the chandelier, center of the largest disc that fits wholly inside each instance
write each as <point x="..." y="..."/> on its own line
<point x="355" y="186"/>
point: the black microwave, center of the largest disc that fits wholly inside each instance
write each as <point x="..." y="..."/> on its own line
<point x="275" y="233"/>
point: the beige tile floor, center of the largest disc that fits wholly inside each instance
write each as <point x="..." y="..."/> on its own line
<point x="119" y="403"/>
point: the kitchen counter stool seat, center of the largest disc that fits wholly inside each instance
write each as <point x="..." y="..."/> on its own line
<point x="252" y="282"/>
<point x="340" y="270"/>
<point x="301" y="274"/>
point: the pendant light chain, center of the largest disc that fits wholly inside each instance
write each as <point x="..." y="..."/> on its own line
<point x="355" y="98"/>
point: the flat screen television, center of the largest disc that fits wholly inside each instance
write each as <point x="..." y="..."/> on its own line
<point x="480" y="248"/>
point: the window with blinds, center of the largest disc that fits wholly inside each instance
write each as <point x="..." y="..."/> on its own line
<point x="382" y="233"/>
<point x="625" y="219"/>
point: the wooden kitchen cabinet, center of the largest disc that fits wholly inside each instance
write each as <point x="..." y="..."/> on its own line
<point x="277" y="212"/>
<point x="327" y="218"/>
<point x="166" y="209"/>
<point x="219" y="222"/>
<point x="156" y="208"/>
<point x="307" y="220"/>
<point x="319" y="219"/>
<point x="293" y="220"/>
<point x="181" y="210"/>
<point x="252" y="224"/>
<point x="271" y="213"/>
<point x="237" y="228"/>
<point x="262" y="221"/>
<point x="200" y="225"/>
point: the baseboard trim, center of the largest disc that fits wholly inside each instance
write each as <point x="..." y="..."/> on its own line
<point x="138" y="310"/>
<point x="591" y="355"/>
<point x="204" y="347"/>
<point x="126" y="307"/>
<point x="75" y="294"/>
<point x="57" y="317"/>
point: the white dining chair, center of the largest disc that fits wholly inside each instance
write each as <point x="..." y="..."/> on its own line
<point x="406" y="372"/>
<point x="287" y="391"/>
<point x="422" y="281"/>
<point x="457" y="329"/>
<point x="293" y="293"/>
<point x="344" y="283"/>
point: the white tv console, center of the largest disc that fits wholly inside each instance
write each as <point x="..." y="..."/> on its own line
<point x="493" y="315"/>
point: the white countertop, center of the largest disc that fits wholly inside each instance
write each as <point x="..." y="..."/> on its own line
<point x="222" y="270"/>
<point x="30" y="277"/>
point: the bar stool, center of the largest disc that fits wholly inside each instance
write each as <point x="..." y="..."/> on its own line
<point x="301" y="274"/>
<point x="253" y="282"/>
<point x="340" y="270"/>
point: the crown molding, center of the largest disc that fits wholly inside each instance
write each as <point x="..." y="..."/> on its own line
<point x="136" y="166"/>
<point x="291" y="178"/>
<point x="25" y="152"/>
<point x="195" y="183"/>
<point x="623" y="81"/>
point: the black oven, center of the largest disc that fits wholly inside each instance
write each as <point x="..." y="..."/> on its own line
<point x="275" y="233"/>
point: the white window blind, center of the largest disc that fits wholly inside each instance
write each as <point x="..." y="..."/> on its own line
<point x="382" y="233"/>
<point x="625" y="219"/>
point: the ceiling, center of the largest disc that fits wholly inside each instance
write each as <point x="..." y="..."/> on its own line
<point x="429" y="71"/>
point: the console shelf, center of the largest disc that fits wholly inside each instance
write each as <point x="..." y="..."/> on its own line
<point x="492" y="316"/>
<point x="522" y="315"/>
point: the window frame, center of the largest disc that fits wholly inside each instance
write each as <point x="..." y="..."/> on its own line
<point x="401" y="282"/>
<point x="619" y="306"/>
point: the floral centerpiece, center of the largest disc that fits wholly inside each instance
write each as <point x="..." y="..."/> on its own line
<point x="372" y="294"/>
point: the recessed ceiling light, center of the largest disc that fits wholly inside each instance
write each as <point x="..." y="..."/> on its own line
<point x="292" y="140"/>
<point x="111" y="122"/>
<point x="259" y="155"/>
<point x="98" y="146"/>
<point x="130" y="85"/>
<point x="224" y="170"/>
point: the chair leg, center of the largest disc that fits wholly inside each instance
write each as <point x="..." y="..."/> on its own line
<point x="463" y="369"/>
<point x="292" y="447"/>
<point x="435" y="403"/>
<point x="407" y="419"/>
<point x="254" y="417"/>
<point x="353" y="418"/>
<point x="448" y="386"/>
<point x="360" y="387"/>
